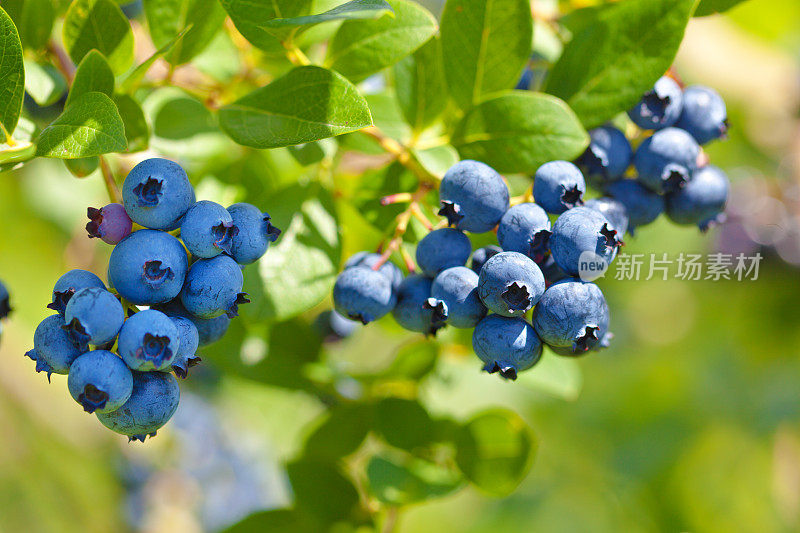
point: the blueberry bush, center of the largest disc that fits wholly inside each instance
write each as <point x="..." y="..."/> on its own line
<point x="448" y="165"/>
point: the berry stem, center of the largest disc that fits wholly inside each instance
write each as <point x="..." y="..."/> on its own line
<point x="108" y="177"/>
<point x="401" y="224"/>
<point x="403" y="155"/>
<point x="295" y="55"/>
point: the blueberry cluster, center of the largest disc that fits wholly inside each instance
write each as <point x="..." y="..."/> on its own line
<point x="533" y="289"/>
<point x="5" y="304"/>
<point x="120" y="344"/>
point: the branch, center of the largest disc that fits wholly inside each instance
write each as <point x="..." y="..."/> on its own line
<point x="108" y="177"/>
<point x="403" y="155"/>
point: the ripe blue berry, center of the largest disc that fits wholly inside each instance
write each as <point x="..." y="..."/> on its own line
<point x="93" y="316"/>
<point x="148" y="267"/>
<point x="188" y="342"/>
<point x="69" y="284"/>
<point x="608" y="156"/>
<point x="210" y="330"/>
<point x="525" y="228"/>
<point x="361" y="293"/>
<point x="642" y="205"/>
<point x="334" y="327"/>
<point x="255" y="234"/>
<point x="510" y="284"/>
<point x="580" y="231"/>
<point x="214" y="287"/>
<point x="506" y="345"/>
<point x="441" y="249"/>
<point x="148" y="341"/>
<point x="481" y="255"/>
<point x="157" y="194"/>
<point x="53" y="350"/>
<point x="704" y="114"/>
<point x="111" y="223"/>
<point x="558" y="186"/>
<point x="416" y="310"/>
<point x="613" y="210"/>
<point x="100" y="381"/>
<point x="152" y="403"/>
<point x="473" y="196"/>
<point x="5" y="305"/>
<point x="457" y="287"/>
<point x="702" y="201"/>
<point x="388" y="269"/>
<point x="207" y="229"/>
<point x="572" y="316"/>
<point x="666" y="160"/>
<point x="660" y="107"/>
<point x="551" y="271"/>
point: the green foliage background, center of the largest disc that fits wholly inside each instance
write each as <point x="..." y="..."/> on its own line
<point x="688" y="423"/>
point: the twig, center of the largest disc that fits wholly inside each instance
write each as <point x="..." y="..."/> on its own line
<point x="391" y="520"/>
<point x="63" y="62"/>
<point x="111" y="185"/>
<point x="403" y="155"/>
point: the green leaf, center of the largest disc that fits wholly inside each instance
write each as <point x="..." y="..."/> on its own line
<point x="283" y="520"/>
<point x="10" y="156"/>
<point x="495" y="451"/>
<point x="420" y="86"/>
<point x="413" y="361"/>
<point x="135" y="76"/>
<point x="438" y="159"/>
<point x="34" y="20"/>
<point x="249" y="18"/>
<point x="340" y="432"/>
<point x="416" y="480"/>
<point x="12" y="75"/>
<point x="92" y="75"/>
<point x="43" y="82"/>
<point x="307" y="104"/>
<point x="99" y="24"/>
<point x="404" y="423"/>
<point x="352" y="10"/>
<point x="82" y="167"/>
<point x="166" y="18"/>
<point x="361" y="48"/>
<point x="519" y="131"/>
<point x="299" y="270"/>
<point x="709" y="7"/>
<point x="611" y="62"/>
<point x="90" y="126"/>
<point x="487" y="44"/>
<point x="137" y="131"/>
<point x="320" y="489"/>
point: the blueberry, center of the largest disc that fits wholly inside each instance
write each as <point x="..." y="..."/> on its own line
<point x="473" y="196"/>
<point x="189" y="340"/>
<point x="111" y="223"/>
<point x="506" y="345"/>
<point x="572" y="316"/>
<point x="53" y="350"/>
<point x="69" y="284"/>
<point x="613" y="210"/>
<point x="334" y="327"/>
<point x="704" y="114"/>
<point x="207" y="229"/>
<point x="558" y="186"/>
<point x="361" y="293"/>
<point x="369" y="260"/>
<point x="416" y="310"/>
<point x="152" y="403"/>
<point x="457" y="287"/>
<point x="100" y="381"/>
<point x="5" y="305"/>
<point x="510" y="284"/>
<point x="642" y="205"/>
<point x="93" y="316"/>
<point x="660" y="107"/>
<point x="579" y="232"/>
<point x="157" y="194"/>
<point x="702" y="201"/>
<point x="481" y="255"/>
<point x="210" y="330"/>
<point x="441" y="249"/>
<point x="148" y="341"/>
<point x="525" y="228"/>
<point x="666" y="160"/>
<point x="148" y="267"/>
<point x="214" y="287"/>
<point x="607" y="157"/>
<point x="255" y="234"/>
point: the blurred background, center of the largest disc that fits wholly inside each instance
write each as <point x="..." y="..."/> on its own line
<point x="690" y="422"/>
